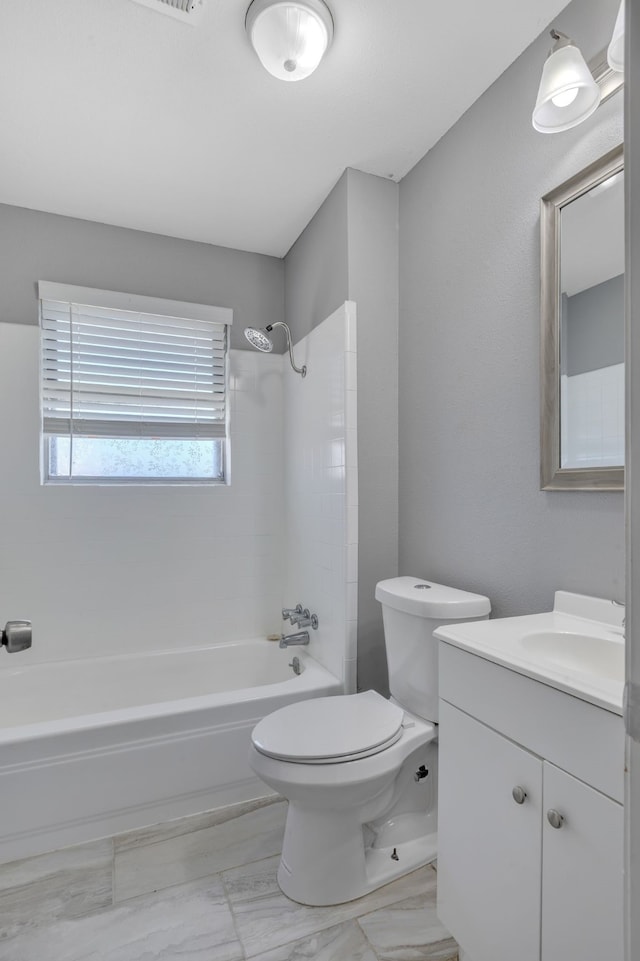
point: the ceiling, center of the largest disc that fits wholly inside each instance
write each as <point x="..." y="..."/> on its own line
<point x="112" y="112"/>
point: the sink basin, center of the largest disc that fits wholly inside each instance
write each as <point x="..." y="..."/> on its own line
<point x="578" y="647"/>
<point x="600" y="656"/>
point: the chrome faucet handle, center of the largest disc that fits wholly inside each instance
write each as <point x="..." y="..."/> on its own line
<point x="306" y="619"/>
<point x="16" y="636"/>
<point x="291" y="612"/>
<point x="301" y="618"/>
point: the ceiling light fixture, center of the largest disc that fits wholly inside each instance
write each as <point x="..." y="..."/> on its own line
<point x="290" y="36"/>
<point x="568" y="93"/>
<point x="615" y="52"/>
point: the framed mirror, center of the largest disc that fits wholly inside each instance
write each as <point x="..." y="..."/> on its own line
<point x="582" y="330"/>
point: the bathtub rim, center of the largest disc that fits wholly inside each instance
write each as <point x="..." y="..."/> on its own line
<point x="313" y="676"/>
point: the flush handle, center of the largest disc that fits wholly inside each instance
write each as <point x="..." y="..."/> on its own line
<point x="554" y="818"/>
<point x="519" y="794"/>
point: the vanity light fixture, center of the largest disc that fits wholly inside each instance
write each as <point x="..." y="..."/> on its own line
<point x="615" y="51"/>
<point x="568" y="93"/>
<point x="290" y="36"/>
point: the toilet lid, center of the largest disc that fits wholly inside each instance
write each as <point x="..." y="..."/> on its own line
<point x="330" y="729"/>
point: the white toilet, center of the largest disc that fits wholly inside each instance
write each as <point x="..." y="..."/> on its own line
<point x="359" y="771"/>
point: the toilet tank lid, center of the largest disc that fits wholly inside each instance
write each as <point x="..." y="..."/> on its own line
<point x="414" y="595"/>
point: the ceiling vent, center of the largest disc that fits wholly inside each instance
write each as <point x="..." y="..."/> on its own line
<point x="189" y="11"/>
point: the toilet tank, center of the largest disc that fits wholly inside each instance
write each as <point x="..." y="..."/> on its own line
<point x="412" y="609"/>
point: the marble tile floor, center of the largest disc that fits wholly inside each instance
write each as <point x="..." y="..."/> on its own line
<point x="240" y="914"/>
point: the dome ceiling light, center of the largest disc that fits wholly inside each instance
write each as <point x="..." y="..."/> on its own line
<point x="290" y="36"/>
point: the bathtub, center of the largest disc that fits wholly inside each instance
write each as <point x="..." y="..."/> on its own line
<point x="90" y="748"/>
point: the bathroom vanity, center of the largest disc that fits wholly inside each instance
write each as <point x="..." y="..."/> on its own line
<point x="530" y="832"/>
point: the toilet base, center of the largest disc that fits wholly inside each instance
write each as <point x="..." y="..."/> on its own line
<point x="362" y="839"/>
<point x="380" y="869"/>
<point x="346" y="819"/>
<point x="346" y="871"/>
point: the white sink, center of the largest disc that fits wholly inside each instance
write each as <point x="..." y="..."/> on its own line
<point x="578" y="647"/>
<point x="584" y="653"/>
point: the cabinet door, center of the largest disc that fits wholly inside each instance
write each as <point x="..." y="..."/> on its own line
<point x="582" y="872"/>
<point x="489" y="846"/>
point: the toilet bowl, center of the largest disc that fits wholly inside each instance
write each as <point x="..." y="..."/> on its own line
<point x="360" y="771"/>
<point x="348" y="779"/>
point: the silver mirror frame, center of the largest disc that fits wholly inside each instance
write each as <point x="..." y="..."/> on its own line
<point x="553" y="477"/>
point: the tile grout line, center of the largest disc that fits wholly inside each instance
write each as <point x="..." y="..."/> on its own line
<point x="233" y="915"/>
<point x="366" y="939"/>
<point x="113" y="873"/>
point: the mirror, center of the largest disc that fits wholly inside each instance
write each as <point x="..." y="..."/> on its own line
<point x="582" y="349"/>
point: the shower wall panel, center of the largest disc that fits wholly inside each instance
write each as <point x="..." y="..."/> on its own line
<point x="118" y="569"/>
<point x="321" y="489"/>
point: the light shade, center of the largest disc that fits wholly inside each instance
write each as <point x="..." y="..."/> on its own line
<point x="615" y="52"/>
<point x="290" y="36"/>
<point x="568" y="93"/>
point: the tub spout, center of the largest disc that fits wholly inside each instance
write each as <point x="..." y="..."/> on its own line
<point x="294" y="640"/>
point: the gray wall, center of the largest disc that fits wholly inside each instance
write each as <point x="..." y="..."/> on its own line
<point x="349" y="250"/>
<point x="373" y="284"/>
<point x="471" y="512"/>
<point x="595" y="327"/>
<point x="316" y="279"/>
<point x="40" y="246"/>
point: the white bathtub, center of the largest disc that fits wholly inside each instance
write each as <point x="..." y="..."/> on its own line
<point x="89" y="748"/>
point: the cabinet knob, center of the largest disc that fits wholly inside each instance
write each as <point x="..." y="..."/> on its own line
<point x="554" y="818"/>
<point x="519" y="794"/>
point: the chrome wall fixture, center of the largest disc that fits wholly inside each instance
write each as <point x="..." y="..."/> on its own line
<point x="16" y="636"/>
<point x="258" y="339"/>
<point x="570" y="89"/>
<point x="301" y="617"/>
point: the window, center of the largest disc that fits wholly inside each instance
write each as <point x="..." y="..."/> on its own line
<point x="133" y="389"/>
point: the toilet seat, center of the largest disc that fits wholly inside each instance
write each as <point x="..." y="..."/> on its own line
<point x="330" y="730"/>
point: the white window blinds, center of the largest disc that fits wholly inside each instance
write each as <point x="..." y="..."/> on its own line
<point x="118" y="365"/>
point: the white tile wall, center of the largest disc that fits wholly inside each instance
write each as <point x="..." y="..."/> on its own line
<point x="321" y="484"/>
<point x="102" y="569"/>
<point x="592" y="418"/>
<point x="108" y="569"/>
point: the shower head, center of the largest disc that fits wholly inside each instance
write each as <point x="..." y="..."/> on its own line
<point x="258" y="339"/>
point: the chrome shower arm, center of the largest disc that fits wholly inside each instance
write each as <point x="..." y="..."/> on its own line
<point x="279" y="323"/>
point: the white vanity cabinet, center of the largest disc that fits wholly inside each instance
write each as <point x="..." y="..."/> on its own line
<point x="512" y="751"/>
<point x="582" y="872"/>
<point x="488" y="846"/>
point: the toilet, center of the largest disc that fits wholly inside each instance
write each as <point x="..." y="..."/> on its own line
<point x="360" y="771"/>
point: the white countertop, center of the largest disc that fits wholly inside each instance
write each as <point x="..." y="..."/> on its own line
<point x="534" y="645"/>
